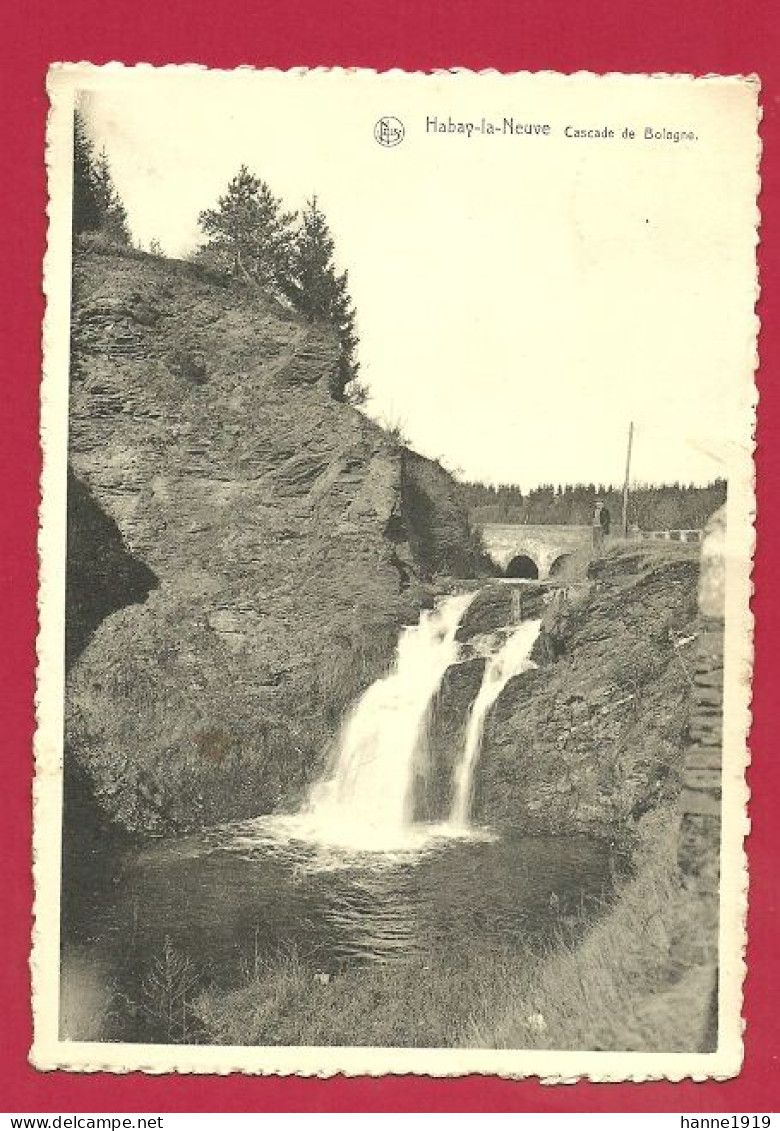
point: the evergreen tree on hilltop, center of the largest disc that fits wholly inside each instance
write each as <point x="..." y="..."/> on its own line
<point x="251" y="236"/>
<point x="86" y="207"/>
<point x="249" y="233"/>
<point x="321" y="292"/>
<point x="313" y="270"/>
<point x="97" y="206"/>
<point x="112" y="210"/>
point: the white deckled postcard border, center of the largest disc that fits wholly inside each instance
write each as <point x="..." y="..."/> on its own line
<point x="48" y="1051"/>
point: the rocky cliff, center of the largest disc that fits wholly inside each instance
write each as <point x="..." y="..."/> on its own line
<point x="595" y="736"/>
<point x="242" y="549"/>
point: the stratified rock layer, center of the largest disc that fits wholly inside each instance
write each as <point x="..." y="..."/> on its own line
<point x="273" y="538"/>
<point x="595" y="736"/>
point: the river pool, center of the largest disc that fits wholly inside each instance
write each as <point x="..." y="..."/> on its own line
<point x="222" y="900"/>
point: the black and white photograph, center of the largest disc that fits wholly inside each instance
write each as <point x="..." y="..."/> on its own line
<point x="396" y="537"/>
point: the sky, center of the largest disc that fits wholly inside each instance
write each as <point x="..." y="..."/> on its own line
<point x="520" y="299"/>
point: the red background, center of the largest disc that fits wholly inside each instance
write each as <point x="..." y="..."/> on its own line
<point x="567" y="35"/>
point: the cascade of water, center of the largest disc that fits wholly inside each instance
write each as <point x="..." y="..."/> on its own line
<point x="511" y="659"/>
<point x="365" y="800"/>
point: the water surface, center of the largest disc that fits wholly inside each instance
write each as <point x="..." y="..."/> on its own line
<point x="226" y="898"/>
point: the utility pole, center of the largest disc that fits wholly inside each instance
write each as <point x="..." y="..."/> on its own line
<point x="626" y="480"/>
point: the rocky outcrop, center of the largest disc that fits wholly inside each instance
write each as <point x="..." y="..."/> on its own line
<point x="500" y="605"/>
<point x="434" y="795"/>
<point x="594" y="737"/>
<point x="258" y="544"/>
<point x="102" y="576"/>
<point x="439" y="534"/>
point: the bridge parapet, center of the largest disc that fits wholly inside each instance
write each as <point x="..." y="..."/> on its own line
<point x="671" y="535"/>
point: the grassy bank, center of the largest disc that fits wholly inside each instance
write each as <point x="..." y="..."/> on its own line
<point x="638" y="977"/>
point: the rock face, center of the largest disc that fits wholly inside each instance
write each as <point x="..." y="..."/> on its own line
<point x="434" y="520"/>
<point x="449" y="719"/>
<point x="595" y="736"/>
<point x="242" y="549"/>
<point x="102" y="575"/>
<point x="499" y="605"/>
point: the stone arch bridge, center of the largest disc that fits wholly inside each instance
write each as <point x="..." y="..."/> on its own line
<point x="536" y="551"/>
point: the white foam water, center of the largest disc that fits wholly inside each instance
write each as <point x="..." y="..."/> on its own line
<point x="365" y="801"/>
<point x="512" y="658"/>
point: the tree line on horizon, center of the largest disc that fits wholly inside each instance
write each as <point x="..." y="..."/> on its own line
<point x="249" y="236"/>
<point x="664" y="506"/>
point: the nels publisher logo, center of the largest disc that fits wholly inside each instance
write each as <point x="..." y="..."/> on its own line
<point x="389" y="131"/>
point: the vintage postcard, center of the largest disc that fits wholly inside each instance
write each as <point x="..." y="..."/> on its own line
<point x="396" y="541"/>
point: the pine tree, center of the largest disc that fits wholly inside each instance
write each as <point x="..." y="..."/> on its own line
<point x="97" y="206"/>
<point x="321" y="292"/>
<point x="112" y="211"/>
<point x="249" y="233"/>
<point x="86" y="208"/>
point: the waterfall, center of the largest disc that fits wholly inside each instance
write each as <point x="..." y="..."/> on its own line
<point x="365" y="801"/>
<point x="512" y="658"/>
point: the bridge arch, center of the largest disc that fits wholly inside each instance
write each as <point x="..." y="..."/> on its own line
<point x="522" y="566"/>
<point x="560" y="564"/>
